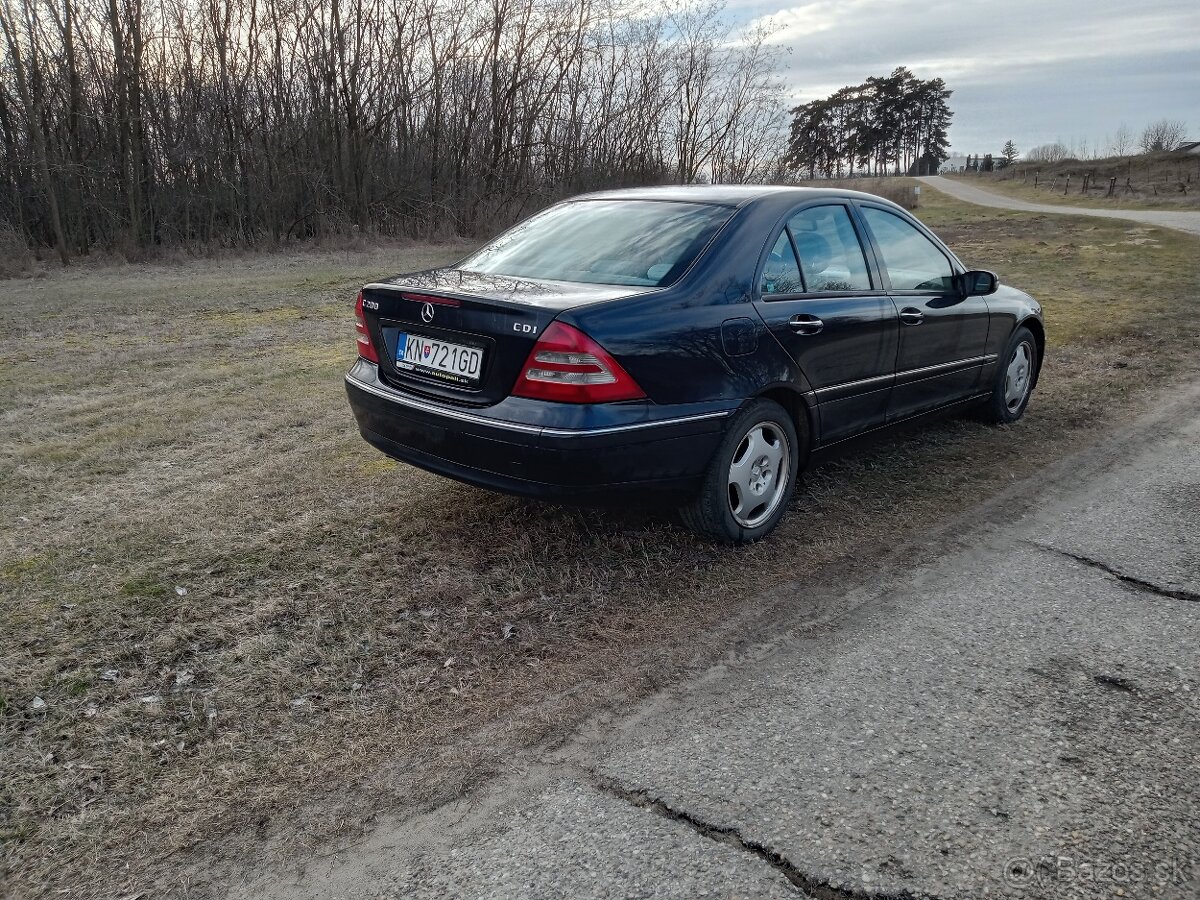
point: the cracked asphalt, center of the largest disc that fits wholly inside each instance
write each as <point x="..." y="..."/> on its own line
<point x="1013" y="713"/>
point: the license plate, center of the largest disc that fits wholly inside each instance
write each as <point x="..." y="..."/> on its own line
<point x="438" y="359"/>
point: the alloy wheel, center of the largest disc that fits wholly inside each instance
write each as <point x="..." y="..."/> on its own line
<point x="758" y="474"/>
<point x="1018" y="378"/>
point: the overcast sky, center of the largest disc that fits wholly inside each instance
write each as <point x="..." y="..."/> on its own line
<point x="1034" y="71"/>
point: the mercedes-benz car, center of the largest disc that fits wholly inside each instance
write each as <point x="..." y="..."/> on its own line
<point x="687" y="345"/>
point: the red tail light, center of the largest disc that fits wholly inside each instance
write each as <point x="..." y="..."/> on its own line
<point x="568" y="366"/>
<point x="365" y="348"/>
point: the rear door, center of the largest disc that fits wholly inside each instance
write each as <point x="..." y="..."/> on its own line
<point x="943" y="337"/>
<point x="822" y="301"/>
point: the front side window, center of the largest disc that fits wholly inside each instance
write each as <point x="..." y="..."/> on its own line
<point x="647" y="243"/>
<point x="831" y="256"/>
<point x="912" y="261"/>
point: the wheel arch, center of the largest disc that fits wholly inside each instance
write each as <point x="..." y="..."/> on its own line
<point x="803" y="416"/>
<point x="1038" y="330"/>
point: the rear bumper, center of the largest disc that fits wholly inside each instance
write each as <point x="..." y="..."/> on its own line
<point x="651" y="458"/>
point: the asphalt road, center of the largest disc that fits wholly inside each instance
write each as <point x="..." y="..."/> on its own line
<point x="1186" y="221"/>
<point x="1010" y="710"/>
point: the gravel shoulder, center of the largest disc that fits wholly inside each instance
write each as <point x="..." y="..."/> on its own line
<point x="1186" y="221"/>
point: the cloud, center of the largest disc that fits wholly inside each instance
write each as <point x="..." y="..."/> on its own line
<point x="1077" y="100"/>
<point x="1044" y="67"/>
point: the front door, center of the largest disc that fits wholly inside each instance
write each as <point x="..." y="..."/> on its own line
<point x="820" y="301"/>
<point x="943" y="336"/>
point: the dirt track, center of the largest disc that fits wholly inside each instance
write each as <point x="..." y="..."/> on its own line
<point x="1187" y="222"/>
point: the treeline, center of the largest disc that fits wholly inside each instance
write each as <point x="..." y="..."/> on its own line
<point x="895" y="124"/>
<point x="1161" y="136"/>
<point x="127" y="124"/>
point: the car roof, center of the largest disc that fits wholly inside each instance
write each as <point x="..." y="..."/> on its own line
<point x="722" y="194"/>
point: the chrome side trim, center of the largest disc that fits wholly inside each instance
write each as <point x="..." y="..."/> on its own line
<point x="861" y="383"/>
<point x="461" y="416"/>
<point x="636" y="426"/>
<point x="958" y="363"/>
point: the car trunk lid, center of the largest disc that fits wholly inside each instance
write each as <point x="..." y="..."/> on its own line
<point x="463" y="335"/>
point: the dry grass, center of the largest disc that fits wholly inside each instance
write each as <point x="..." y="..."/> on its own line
<point x="898" y="190"/>
<point x="358" y="635"/>
<point x="1155" y="181"/>
<point x="15" y="258"/>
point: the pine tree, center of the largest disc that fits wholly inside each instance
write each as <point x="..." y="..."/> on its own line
<point x="896" y="122"/>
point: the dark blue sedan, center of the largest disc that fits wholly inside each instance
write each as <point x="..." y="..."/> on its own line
<point x="690" y="345"/>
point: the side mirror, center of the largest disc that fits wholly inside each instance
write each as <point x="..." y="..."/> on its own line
<point x="978" y="283"/>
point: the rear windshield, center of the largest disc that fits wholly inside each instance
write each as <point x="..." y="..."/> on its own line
<point x="636" y="242"/>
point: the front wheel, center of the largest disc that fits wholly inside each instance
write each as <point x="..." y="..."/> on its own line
<point x="751" y="478"/>
<point x="1014" y="379"/>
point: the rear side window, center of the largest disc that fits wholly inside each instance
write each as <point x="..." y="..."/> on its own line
<point x="647" y="243"/>
<point x="831" y="256"/>
<point x="781" y="274"/>
<point x="912" y="261"/>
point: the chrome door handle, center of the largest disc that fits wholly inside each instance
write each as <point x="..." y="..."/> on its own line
<point x="805" y="324"/>
<point x="911" y="316"/>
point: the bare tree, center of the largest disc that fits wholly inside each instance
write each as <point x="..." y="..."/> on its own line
<point x="1122" y="141"/>
<point x="1048" y="153"/>
<point x="237" y="122"/>
<point x="30" y="97"/>
<point x="1165" y="134"/>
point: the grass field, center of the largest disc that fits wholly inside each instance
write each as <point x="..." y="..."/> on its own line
<point x="229" y="627"/>
<point x="1159" y="181"/>
<point x="1043" y="193"/>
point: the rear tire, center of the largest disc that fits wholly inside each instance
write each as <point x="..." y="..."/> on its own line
<point x="751" y="478"/>
<point x="1013" y="383"/>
